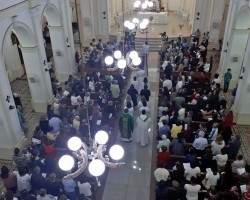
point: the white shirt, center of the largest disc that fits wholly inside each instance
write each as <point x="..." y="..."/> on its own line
<point x="135" y="84"/>
<point x="163" y="143"/>
<point x="46" y="197"/>
<point x="165" y="63"/>
<point x="161" y="174"/>
<point x="213" y="178"/>
<point x="23" y="182"/>
<point x="167" y="83"/>
<point x="192" y="191"/>
<point x="160" y="109"/>
<point x="216" y="148"/>
<point x="85" y="188"/>
<point x="166" y="117"/>
<point x="192" y="172"/>
<point x="181" y="113"/>
<point x="56" y="108"/>
<point x="221" y="159"/>
<point x="237" y="164"/>
<point x="200" y="143"/>
<point x="206" y="67"/>
<point x="74" y="101"/>
<point x="179" y="86"/>
<point x="144" y="108"/>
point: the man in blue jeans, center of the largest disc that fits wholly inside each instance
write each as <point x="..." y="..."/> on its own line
<point x="227" y="79"/>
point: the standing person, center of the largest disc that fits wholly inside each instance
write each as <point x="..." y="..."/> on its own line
<point x="70" y="188"/>
<point x="233" y="95"/>
<point x="226" y="127"/>
<point x="234" y="146"/>
<point x="9" y="179"/>
<point x="145" y="92"/>
<point x="133" y="93"/>
<point x="192" y="189"/>
<point x="135" y="84"/>
<point x="115" y="90"/>
<point x="23" y="180"/>
<point x="227" y="79"/>
<point x="145" y="51"/>
<point x="19" y="160"/>
<point x="142" y="129"/>
<point x="126" y="126"/>
<point x="196" y="36"/>
<point x="140" y="74"/>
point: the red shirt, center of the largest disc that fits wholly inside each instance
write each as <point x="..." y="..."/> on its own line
<point x="163" y="157"/>
<point x="228" y="121"/>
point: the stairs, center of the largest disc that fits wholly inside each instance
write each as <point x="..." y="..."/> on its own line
<point x="155" y="43"/>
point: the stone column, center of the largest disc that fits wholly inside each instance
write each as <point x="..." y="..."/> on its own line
<point x="11" y="134"/>
<point x="60" y="53"/>
<point x="68" y="34"/>
<point x="12" y="60"/>
<point x="87" y="21"/>
<point x="241" y="106"/>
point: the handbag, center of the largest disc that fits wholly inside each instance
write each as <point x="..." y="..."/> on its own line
<point x="206" y="183"/>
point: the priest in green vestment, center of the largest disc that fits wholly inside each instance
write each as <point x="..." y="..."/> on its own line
<point x="126" y="126"/>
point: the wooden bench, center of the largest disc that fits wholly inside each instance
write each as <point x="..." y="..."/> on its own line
<point x="195" y="75"/>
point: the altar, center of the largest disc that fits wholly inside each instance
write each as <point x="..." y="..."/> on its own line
<point x="158" y="17"/>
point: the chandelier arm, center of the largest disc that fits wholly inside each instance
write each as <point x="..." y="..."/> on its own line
<point x="100" y="151"/>
<point x="83" y="157"/>
<point x="112" y="69"/>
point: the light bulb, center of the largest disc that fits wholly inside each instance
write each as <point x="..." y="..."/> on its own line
<point x="145" y="21"/>
<point x="96" y="167"/>
<point x="126" y="23"/>
<point x="136" y="61"/>
<point x="101" y="137"/>
<point x="131" y="26"/>
<point x="117" y="54"/>
<point x="74" y="143"/>
<point x="135" y="20"/>
<point x="66" y="163"/>
<point x="109" y="60"/>
<point x="144" y="6"/>
<point x="116" y="152"/>
<point x="142" y="26"/>
<point x="133" y="54"/>
<point x="121" y="63"/>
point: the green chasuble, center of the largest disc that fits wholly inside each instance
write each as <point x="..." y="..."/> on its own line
<point x="126" y="125"/>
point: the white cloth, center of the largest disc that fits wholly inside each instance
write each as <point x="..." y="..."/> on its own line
<point x="46" y="197"/>
<point x="74" y="100"/>
<point x="167" y="83"/>
<point x="179" y="86"/>
<point x="216" y="148"/>
<point x="213" y="178"/>
<point x="23" y="182"/>
<point x="85" y="188"/>
<point x="144" y="108"/>
<point x="166" y="117"/>
<point x="221" y="159"/>
<point x="143" y="124"/>
<point x="189" y="172"/>
<point x="161" y="174"/>
<point x="136" y="85"/>
<point x="192" y="191"/>
<point x="140" y="104"/>
<point x="206" y="67"/>
<point x="160" y="109"/>
<point x="200" y="143"/>
<point x="140" y="77"/>
<point x="56" y="108"/>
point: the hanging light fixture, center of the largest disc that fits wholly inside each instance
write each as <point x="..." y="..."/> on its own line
<point x="95" y="154"/>
<point x="145" y="5"/>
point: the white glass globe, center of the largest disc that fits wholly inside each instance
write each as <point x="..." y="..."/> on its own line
<point x="135" y="20"/>
<point x="137" y="4"/>
<point x="116" y="152"/>
<point x="109" y="60"/>
<point x="144" y="6"/>
<point x="136" y="61"/>
<point x="143" y="26"/>
<point x="66" y="163"/>
<point x="145" y="21"/>
<point x="74" y="143"/>
<point x="131" y="26"/>
<point x="96" y="167"/>
<point x="133" y="54"/>
<point x="150" y="4"/>
<point x="121" y="63"/>
<point x="101" y="137"/>
<point x="117" y="54"/>
<point x="126" y="23"/>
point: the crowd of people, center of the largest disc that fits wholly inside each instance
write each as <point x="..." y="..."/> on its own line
<point x="81" y="107"/>
<point x="197" y="153"/>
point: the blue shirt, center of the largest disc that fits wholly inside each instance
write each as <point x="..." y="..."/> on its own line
<point x="164" y="130"/>
<point x="69" y="185"/>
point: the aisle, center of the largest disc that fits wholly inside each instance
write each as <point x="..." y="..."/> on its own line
<point x="133" y="180"/>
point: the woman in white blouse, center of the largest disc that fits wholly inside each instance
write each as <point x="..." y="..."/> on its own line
<point x="217" y="145"/>
<point x="23" y="180"/>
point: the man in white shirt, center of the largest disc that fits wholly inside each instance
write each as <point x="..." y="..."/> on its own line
<point x="164" y="142"/>
<point x="181" y="112"/>
<point x="161" y="174"/>
<point x="167" y="83"/>
<point x="221" y="160"/>
<point x="84" y="188"/>
<point x="207" y="66"/>
<point x="135" y="84"/>
<point x="192" y="171"/>
<point x="192" y="189"/>
<point x="238" y="163"/>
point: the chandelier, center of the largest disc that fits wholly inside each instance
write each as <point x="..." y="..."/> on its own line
<point x="145" y="5"/>
<point x="92" y="157"/>
<point x="132" y="60"/>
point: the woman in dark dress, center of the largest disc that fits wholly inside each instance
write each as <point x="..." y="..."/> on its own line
<point x="133" y="93"/>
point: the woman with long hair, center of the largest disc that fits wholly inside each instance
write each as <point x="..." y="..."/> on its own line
<point x="9" y="179"/>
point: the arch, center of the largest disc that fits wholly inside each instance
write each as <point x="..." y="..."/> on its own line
<point x="243" y="18"/>
<point x="52" y="15"/>
<point x="23" y="33"/>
